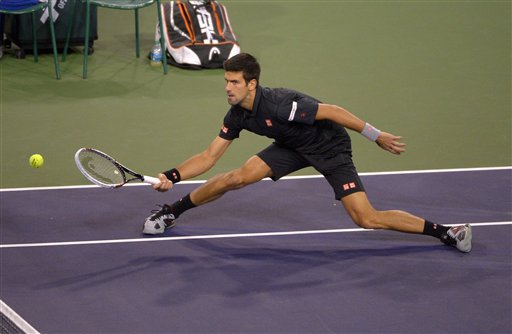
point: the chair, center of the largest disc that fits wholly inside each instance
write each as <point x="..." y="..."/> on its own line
<point x="118" y="4"/>
<point x="33" y="8"/>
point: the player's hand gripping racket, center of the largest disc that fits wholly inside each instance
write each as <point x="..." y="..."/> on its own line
<point x="105" y="171"/>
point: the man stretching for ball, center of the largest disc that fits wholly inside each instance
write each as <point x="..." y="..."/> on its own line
<point x="306" y="133"/>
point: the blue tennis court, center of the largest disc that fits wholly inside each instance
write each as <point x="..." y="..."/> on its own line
<point x="270" y="258"/>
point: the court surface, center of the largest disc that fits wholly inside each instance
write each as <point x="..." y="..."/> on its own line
<point x="270" y="258"/>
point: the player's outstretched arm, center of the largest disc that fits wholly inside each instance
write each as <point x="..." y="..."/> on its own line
<point x="386" y="141"/>
<point x="195" y="165"/>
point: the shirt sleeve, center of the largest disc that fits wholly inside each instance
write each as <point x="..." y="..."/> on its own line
<point x="230" y="127"/>
<point x="301" y="109"/>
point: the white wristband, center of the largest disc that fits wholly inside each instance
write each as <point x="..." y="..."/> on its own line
<point x="370" y="132"/>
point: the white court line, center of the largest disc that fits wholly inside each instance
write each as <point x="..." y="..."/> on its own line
<point x="210" y="236"/>
<point x="425" y="171"/>
<point x="16" y="319"/>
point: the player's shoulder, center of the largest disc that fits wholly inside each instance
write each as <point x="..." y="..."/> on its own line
<point x="277" y="94"/>
<point x="281" y="94"/>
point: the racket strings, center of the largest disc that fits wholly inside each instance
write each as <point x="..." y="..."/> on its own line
<point x="100" y="168"/>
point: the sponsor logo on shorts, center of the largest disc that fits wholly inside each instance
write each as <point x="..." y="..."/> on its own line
<point x="269" y="122"/>
<point x="348" y="186"/>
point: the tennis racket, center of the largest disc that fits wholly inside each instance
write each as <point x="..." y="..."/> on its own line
<point x="105" y="171"/>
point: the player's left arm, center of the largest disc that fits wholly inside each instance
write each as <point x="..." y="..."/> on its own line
<point x="345" y="118"/>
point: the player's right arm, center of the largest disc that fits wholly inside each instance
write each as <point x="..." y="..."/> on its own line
<point x="197" y="164"/>
<point x="202" y="162"/>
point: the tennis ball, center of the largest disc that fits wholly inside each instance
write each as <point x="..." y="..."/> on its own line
<point x="36" y="160"/>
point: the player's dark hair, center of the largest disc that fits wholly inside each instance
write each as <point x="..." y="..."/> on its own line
<point x="246" y="63"/>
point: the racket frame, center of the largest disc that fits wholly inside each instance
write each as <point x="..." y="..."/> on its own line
<point x="122" y="169"/>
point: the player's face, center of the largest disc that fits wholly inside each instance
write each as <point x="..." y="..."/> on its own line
<point x="237" y="90"/>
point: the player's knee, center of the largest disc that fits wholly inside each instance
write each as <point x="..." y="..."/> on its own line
<point x="366" y="220"/>
<point x="234" y="180"/>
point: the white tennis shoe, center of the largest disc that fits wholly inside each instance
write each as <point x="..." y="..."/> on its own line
<point x="159" y="221"/>
<point x="462" y="234"/>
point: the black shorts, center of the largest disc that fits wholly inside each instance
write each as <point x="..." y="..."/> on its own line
<point x="338" y="170"/>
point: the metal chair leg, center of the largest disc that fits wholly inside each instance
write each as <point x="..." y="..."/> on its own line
<point x="86" y="45"/>
<point x="54" y="43"/>
<point x="137" y="42"/>
<point x="34" y="37"/>
<point x="162" y="38"/>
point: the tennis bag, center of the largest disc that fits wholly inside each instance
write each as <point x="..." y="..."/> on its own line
<point x="197" y="34"/>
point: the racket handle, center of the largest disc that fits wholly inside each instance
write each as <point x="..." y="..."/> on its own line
<point x="150" y="179"/>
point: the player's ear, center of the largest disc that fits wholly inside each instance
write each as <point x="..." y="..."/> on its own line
<point x="252" y="84"/>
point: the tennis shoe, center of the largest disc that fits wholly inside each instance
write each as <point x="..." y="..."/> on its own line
<point x="159" y="221"/>
<point x="459" y="236"/>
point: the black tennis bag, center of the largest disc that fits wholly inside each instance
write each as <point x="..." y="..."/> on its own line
<point x="197" y="34"/>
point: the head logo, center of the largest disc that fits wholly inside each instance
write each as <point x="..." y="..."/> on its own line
<point x="214" y="53"/>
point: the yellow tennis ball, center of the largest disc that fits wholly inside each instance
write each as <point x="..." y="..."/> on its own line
<point x="36" y="160"/>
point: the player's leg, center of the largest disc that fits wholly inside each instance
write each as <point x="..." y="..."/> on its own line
<point x="253" y="170"/>
<point x="341" y="173"/>
<point x="274" y="161"/>
<point x="363" y="214"/>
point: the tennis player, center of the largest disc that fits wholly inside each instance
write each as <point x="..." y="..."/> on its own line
<point x="306" y="133"/>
